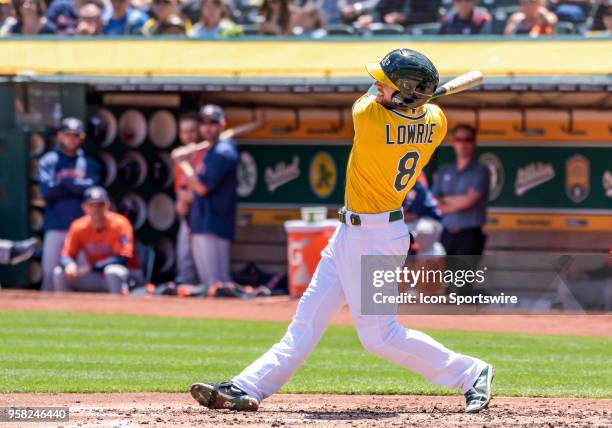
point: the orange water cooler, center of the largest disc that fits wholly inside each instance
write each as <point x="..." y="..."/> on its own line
<point x="305" y="241"/>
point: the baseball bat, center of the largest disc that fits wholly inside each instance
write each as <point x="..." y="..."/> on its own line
<point x="228" y="133"/>
<point x="459" y="84"/>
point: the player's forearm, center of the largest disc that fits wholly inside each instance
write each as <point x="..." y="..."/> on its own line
<point x="455" y="203"/>
<point x="198" y="187"/>
<point x="114" y="260"/>
<point x="66" y="260"/>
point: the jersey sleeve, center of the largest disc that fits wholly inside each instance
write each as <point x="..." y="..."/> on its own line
<point x="124" y="245"/>
<point x="440" y="119"/>
<point x="363" y="106"/>
<point x="72" y="245"/>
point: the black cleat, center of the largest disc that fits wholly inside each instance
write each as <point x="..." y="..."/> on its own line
<point x="223" y="395"/>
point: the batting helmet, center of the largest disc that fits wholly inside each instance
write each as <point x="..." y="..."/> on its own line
<point x="410" y="73"/>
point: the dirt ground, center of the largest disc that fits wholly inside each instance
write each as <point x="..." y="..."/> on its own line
<point x="289" y="410"/>
<point x="163" y="410"/>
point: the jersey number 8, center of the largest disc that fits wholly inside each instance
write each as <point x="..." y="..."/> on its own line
<point x="405" y="170"/>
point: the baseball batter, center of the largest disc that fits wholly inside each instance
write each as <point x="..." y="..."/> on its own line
<point x="396" y="133"/>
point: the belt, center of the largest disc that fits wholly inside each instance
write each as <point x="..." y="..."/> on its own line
<point x="355" y="220"/>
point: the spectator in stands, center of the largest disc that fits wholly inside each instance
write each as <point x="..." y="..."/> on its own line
<point x="387" y="12"/>
<point x="107" y="241"/>
<point x="602" y="21"/>
<point x="212" y="216"/>
<point x="462" y="191"/>
<point x="125" y="20"/>
<point x="29" y="19"/>
<point x="7" y="13"/>
<point x="533" y="19"/>
<point x="64" y="15"/>
<point x="275" y="16"/>
<point x="214" y="22"/>
<point x="352" y="10"/>
<point x="607" y="19"/>
<point x="465" y="18"/>
<point x="64" y="173"/>
<point x="574" y="11"/>
<point x="423" y="11"/>
<point x="330" y="11"/>
<point x="90" y="20"/>
<point x="307" y="21"/>
<point x="188" y="133"/>
<point x="165" y="20"/>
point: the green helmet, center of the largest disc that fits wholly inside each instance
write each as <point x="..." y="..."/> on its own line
<point x="410" y="73"/>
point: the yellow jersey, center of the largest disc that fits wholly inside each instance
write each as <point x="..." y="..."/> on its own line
<point x="390" y="149"/>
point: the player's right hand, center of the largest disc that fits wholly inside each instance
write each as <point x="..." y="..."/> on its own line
<point x="71" y="271"/>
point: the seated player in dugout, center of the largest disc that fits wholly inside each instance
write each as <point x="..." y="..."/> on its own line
<point x="106" y="240"/>
<point x="396" y="133"/>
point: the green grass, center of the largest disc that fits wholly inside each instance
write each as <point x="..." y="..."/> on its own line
<point x="69" y="352"/>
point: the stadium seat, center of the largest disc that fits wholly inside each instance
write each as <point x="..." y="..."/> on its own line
<point x="565" y="27"/>
<point x="500" y="18"/>
<point x="428" y="28"/>
<point x="340" y="30"/>
<point x="250" y="29"/>
<point x="498" y="25"/>
<point x="380" y="29"/>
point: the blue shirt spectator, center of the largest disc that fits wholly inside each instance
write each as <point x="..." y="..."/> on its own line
<point x="215" y="212"/>
<point x="124" y="20"/>
<point x="63" y="15"/>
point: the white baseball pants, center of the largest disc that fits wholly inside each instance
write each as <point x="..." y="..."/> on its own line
<point x="337" y="281"/>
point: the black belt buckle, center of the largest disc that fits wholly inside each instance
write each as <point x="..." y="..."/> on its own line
<point x="355" y="220"/>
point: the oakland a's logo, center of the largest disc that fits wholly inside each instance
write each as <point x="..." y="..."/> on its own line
<point x="247" y="175"/>
<point x="496" y="174"/>
<point x="323" y="175"/>
<point x="577" y="186"/>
